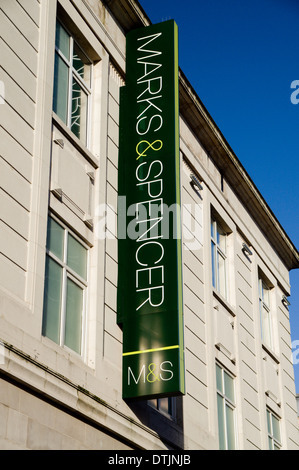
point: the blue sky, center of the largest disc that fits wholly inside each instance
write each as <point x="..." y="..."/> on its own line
<point x="241" y="58"/>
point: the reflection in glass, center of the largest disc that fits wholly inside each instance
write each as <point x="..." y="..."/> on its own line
<point x="79" y="112"/>
<point x="72" y="83"/>
<point x="82" y="65"/>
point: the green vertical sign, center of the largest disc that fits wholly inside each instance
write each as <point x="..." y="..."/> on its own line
<point x="150" y="306"/>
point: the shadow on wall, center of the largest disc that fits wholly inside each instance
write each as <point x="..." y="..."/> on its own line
<point x="168" y="427"/>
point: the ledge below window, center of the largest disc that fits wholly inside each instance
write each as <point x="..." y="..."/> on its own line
<point x="269" y="351"/>
<point x="94" y="161"/>
<point x="224" y="302"/>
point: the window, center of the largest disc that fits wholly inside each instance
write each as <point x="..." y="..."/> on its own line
<point x="164" y="405"/>
<point x="273" y="431"/>
<point x="65" y="287"/>
<point x="265" y="313"/>
<point x="72" y="84"/>
<point x="218" y="248"/>
<point x="226" y="409"/>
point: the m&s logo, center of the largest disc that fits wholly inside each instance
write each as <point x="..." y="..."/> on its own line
<point x="151" y="373"/>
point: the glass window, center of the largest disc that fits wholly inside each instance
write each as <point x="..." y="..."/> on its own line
<point x="265" y="313"/>
<point x="226" y="409"/>
<point x="221" y="422"/>
<point x="55" y="238"/>
<point x="60" y="97"/>
<point x="72" y="84"/>
<point x="218" y="251"/>
<point x="274" y="438"/>
<point x="81" y="64"/>
<point x="62" y="40"/>
<point x="164" y="405"/>
<point x="65" y="287"/>
<point x="79" y="112"/>
<point x="73" y="315"/>
<point x="77" y="256"/>
<point x="52" y="299"/>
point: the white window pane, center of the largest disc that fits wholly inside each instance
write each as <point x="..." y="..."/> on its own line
<point x="221" y="239"/>
<point x="73" y="319"/>
<point x="214" y="273"/>
<point x="219" y="379"/>
<point x="60" y="96"/>
<point x="221" y="422"/>
<point x="55" y="238"/>
<point x="82" y="65"/>
<point x="266" y="327"/>
<point x="221" y="275"/>
<point x="52" y="300"/>
<point x="260" y="289"/>
<point x="229" y="387"/>
<point x="62" y="40"/>
<point x="266" y="296"/>
<point x="230" y="428"/>
<point x="79" y="112"/>
<point x="213" y="229"/>
<point x="77" y="257"/>
<point x="269" y="422"/>
<point x="276" y="428"/>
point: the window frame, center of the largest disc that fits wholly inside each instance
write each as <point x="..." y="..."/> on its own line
<point x="273" y="441"/>
<point x="68" y="274"/>
<point x="227" y="403"/>
<point x="74" y="75"/>
<point x="216" y="251"/>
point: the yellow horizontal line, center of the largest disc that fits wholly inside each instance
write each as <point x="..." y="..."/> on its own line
<point x="150" y="350"/>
